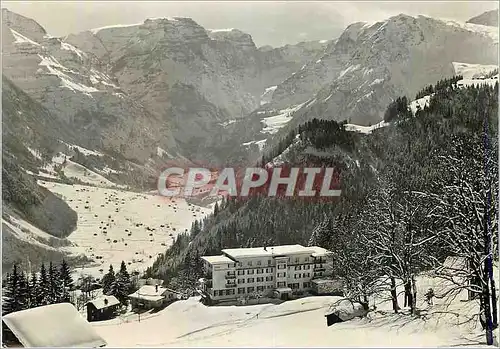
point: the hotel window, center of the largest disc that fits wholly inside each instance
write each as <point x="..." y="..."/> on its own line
<point x="258" y="263"/>
<point x="241" y="290"/>
<point x="308" y="266"/>
<point x="250" y="272"/>
<point x="249" y="263"/>
<point x="260" y="279"/>
<point x="307" y="259"/>
<point x="281" y="284"/>
<point x="241" y="281"/>
<point x="239" y="264"/>
<point x="250" y="280"/>
<point x="297" y="260"/>
<point x="250" y="289"/>
<point x="241" y="272"/>
<point x="281" y="266"/>
<point x="259" y="271"/>
<point x="260" y="288"/>
<point x="269" y="278"/>
<point x="269" y="286"/>
<point x="307" y="284"/>
<point x="281" y="275"/>
<point x="269" y="262"/>
<point x="216" y="293"/>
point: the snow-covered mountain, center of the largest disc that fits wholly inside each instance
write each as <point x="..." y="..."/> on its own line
<point x="170" y="84"/>
<point x="129" y="89"/>
<point x="489" y="18"/>
<point x="371" y="64"/>
<point x="191" y="78"/>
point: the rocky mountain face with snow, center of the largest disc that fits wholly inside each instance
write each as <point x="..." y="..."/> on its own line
<point x="168" y="88"/>
<point x="366" y="68"/>
<point x="164" y="83"/>
<point x="489" y="18"/>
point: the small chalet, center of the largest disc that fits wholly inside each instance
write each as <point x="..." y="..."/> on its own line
<point x="152" y="297"/>
<point x="55" y="325"/>
<point x="102" y="308"/>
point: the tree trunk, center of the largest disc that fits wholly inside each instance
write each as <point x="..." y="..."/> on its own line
<point x="394" y="295"/>
<point x="414" y="293"/>
<point x="487" y="316"/>
<point x="407" y="294"/>
<point x="494" y="310"/>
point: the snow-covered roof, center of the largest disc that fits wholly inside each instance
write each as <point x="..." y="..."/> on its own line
<point x="319" y="251"/>
<point x="217" y="259"/>
<point x="55" y="325"/>
<point x="100" y="303"/>
<point x="267" y="251"/>
<point x="151" y="293"/>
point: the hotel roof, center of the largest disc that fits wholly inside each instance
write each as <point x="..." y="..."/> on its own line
<point x="319" y="251"/>
<point x="268" y="251"/>
<point x="217" y="259"/>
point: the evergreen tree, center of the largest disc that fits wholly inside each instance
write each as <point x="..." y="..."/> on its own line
<point x="121" y="287"/>
<point x="33" y="291"/>
<point x="12" y="300"/>
<point x="55" y="285"/>
<point x="108" y="280"/>
<point x="43" y="287"/>
<point x="65" y="275"/>
<point x="24" y="292"/>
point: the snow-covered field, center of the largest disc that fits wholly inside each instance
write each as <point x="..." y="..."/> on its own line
<point x="274" y="123"/>
<point x="121" y="225"/>
<point x="419" y="103"/>
<point x="365" y="129"/>
<point x="471" y="71"/>
<point x="298" y="323"/>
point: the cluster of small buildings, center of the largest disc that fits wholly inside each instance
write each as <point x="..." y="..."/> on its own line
<point x="277" y="271"/>
<point x="149" y="296"/>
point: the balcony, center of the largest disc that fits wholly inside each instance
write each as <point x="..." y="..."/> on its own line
<point x="230" y="276"/>
<point x="230" y="285"/>
<point x="319" y="268"/>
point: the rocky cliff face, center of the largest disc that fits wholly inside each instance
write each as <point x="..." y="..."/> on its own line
<point x="489" y="18"/>
<point x="75" y="86"/>
<point x="367" y="67"/>
<point x="166" y="82"/>
<point x="198" y="93"/>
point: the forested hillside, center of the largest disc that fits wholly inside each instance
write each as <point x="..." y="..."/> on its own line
<point x="398" y="171"/>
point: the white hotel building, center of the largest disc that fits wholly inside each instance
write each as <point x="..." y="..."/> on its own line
<point x="282" y="270"/>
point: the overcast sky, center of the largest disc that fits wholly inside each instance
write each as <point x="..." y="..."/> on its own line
<point x="269" y="22"/>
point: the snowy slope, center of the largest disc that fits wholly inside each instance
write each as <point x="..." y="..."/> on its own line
<point x="420" y="103"/>
<point x="365" y="129"/>
<point x="298" y="323"/>
<point x="274" y="123"/>
<point x="111" y="215"/>
<point x="471" y="71"/>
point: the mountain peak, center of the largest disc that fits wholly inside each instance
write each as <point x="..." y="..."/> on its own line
<point x="23" y="25"/>
<point x="232" y="35"/>
<point x="488" y="18"/>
